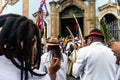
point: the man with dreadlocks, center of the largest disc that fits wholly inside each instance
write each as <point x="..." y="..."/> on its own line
<point x="16" y="43"/>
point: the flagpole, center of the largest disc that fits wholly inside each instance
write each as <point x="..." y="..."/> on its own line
<point x="70" y="62"/>
<point x="70" y="32"/>
<point x="82" y="40"/>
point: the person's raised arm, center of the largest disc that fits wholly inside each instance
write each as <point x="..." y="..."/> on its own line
<point x="54" y="67"/>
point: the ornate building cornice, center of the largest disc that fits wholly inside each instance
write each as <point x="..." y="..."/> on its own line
<point x="108" y="5"/>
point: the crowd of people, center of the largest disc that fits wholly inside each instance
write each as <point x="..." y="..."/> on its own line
<point x="22" y="57"/>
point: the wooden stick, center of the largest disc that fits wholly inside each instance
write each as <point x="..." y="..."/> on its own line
<point x="3" y="7"/>
<point x="80" y="30"/>
<point x="70" y="32"/>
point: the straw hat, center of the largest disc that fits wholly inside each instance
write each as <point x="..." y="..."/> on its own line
<point x="95" y="32"/>
<point x="53" y="42"/>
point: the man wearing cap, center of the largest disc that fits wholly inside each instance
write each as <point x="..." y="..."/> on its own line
<point x="95" y="61"/>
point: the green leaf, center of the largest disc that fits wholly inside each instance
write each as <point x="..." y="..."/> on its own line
<point x="104" y="29"/>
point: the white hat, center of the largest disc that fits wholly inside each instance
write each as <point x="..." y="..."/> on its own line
<point x="53" y="42"/>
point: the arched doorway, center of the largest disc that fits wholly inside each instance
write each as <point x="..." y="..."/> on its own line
<point x="108" y="12"/>
<point x="67" y="19"/>
<point x="64" y="10"/>
<point x="112" y="26"/>
<point x="109" y="18"/>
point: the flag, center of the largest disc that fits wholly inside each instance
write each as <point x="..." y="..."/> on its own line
<point x="76" y="27"/>
<point x="43" y="6"/>
<point x="40" y="20"/>
<point x="79" y="30"/>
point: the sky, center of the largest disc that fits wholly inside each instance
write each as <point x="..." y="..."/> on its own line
<point x="34" y="5"/>
<point x="17" y="8"/>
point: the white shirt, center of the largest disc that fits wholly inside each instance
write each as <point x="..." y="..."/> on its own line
<point x="61" y="73"/>
<point x="68" y="45"/>
<point x="8" y="71"/>
<point x="95" y="62"/>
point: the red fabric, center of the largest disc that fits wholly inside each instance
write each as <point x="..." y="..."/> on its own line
<point x="95" y="33"/>
<point x="43" y="0"/>
<point x="76" y="27"/>
<point x="40" y="22"/>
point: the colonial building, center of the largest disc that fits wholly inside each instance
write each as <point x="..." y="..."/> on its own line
<point x="62" y="15"/>
<point x="62" y="11"/>
<point x="109" y="13"/>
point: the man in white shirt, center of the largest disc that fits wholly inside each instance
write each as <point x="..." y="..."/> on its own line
<point x="95" y="61"/>
<point x="54" y="51"/>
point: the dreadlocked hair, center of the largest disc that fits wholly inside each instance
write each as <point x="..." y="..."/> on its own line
<point x="16" y="40"/>
<point x="6" y="28"/>
<point x="3" y="18"/>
